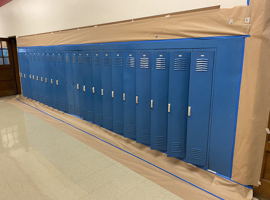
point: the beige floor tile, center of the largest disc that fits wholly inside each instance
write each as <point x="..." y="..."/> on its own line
<point x="92" y="183"/>
<point x="79" y="173"/>
<point x="73" y="192"/>
<point x="107" y="192"/>
<point x="172" y="196"/>
<point x="163" y="197"/>
<point x="111" y="173"/>
<point x="77" y="151"/>
<point x="57" y="184"/>
<point x="68" y="165"/>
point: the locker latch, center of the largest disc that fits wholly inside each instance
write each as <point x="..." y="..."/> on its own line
<point x="51" y="81"/>
<point x="124" y="96"/>
<point x="29" y="75"/>
<point x="78" y="86"/>
<point x="112" y="94"/>
<point x="93" y="90"/>
<point x="20" y="74"/>
<point x="56" y="82"/>
<point x="33" y="77"/>
<point x="137" y="99"/>
<point x="24" y="76"/>
<point x="169" y="107"/>
<point x="46" y="80"/>
<point x="189" y="111"/>
<point x="84" y="88"/>
<point x="37" y="78"/>
<point x="41" y="79"/>
<point x="102" y="92"/>
<point x="152" y="103"/>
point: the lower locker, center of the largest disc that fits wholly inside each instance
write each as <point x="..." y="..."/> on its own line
<point x="38" y="66"/>
<point x="117" y="92"/>
<point x="76" y="67"/>
<point x="32" y="75"/>
<point x="81" y="86"/>
<point x="49" y="79"/>
<point x="143" y="97"/>
<point x="178" y="103"/>
<point x="106" y="90"/>
<point x="96" y="89"/>
<point x="200" y="87"/>
<point x="53" y="78"/>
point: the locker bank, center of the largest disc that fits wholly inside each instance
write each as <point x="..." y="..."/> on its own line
<point x="173" y="106"/>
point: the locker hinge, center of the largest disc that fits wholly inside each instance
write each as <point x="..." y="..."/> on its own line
<point x="189" y="111"/>
<point x="112" y="94"/>
<point x="56" y="82"/>
<point x="169" y="108"/>
<point x="41" y="79"/>
<point x="93" y="90"/>
<point x="137" y="99"/>
<point x="84" y="88"/>
<point x="78" y="86"/>
<point x="46" y="80"/>
<point x="267" y="130"/>
<point x="51" y="81"/>
<point x="102" y="92"/>
<point x="152" y="103"/>
<point x="124" y="96"/>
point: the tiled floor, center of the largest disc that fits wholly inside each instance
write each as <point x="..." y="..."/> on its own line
<point x="38" y="161"/>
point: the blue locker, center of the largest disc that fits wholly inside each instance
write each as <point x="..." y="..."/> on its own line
<point x="38" y="67"/>
<point x="178" y="103"/>
<point x="69" y="83"/>
<point x="143" y="97"/>
<point x="41" y="77"/>
<point x="53" y="78"/>
<point x="97" y="88"/>
<point x="26" y="76"/>
<point x="117" y="93"/>
<point x="61" y="82"/>
<point x="22" y="65"/>
<point x="106" y="91"/>
<point x="76" y="85"/>
<point x="80" y="86"/>
<point x="200" y="87"/>
<point x="87" y="88"/>
<point x="45" y="78"/>
<point x="129" y="94"/>
<point x="32" y="75"/>
<point x="159" y="100"/>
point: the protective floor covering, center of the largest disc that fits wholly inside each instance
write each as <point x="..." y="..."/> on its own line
<point x="111" y="152"/>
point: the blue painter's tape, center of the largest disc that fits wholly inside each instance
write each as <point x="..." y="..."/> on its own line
<point x="248" y="1"/>
<point x="128" y="153"/>
<point x="238" y="96"/>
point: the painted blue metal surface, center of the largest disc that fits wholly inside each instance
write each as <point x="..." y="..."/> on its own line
<point x="77" y="69"/>
<point x="143" y="97"/>
<point x="159" y="99"/>
<point x="106" y="90"/>
<point x="117" y="92"/>
<point x="129" y="94"/>
<point x="177" y="103"/>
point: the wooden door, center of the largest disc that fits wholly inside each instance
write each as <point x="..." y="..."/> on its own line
<point x="9" y="77"/>
<point x="264" y="189"/>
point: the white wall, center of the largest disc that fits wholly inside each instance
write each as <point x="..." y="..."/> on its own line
<point x="25" y="17"/>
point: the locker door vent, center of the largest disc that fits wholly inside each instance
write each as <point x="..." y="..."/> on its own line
<point x="144" y="63"/>
<point x="161" y="63"/>
<point x="91" y="115"/>
<point x="108" y="121"/>
<point x="196" y="154"/>
<point x="107" y="61"/>
<point x="78" y="110"/>
<point x="74" y="59"/>
<point x="130" y="130"/>
<point x="144" y="135"/>
<point x="176" y="147"/>
<point x="53" y="58"/>
<point x="41" y="98"/>
<point x="63" y="106"/>
<point x="34" y="58"/>
<point x="159" y="141"/>
<point x="201" y="65"/>
<point x="119" y="125"/>
<point x="130" y="62"/>
<point x="26" y="57"/>
<point x="99" y="119"/>
<point x="88" y="60"/>
<point x="42" y="58"/>
<point x="57" y="104"/>
<point x="51" y="101"/>
<point x="46" y="100"/>
<point x="70" y="107"/>
<point x="59" y="58"/>
<point x="38" y="58"/>
<point x="97" y="61"/>
<point x="82" y="112"/>
<point x="179" y="64"/>
<point x="67" y="58"/>
<point x="118" y="62"/>
<point x="80" y="59"/>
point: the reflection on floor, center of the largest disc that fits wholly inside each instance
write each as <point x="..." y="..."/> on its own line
<point x="38" y="161"/>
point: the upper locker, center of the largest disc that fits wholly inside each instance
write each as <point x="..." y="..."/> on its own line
<point x="200" y="87"/>
<point x="143" y="97"/>
<point x="178" y="103"/>
<point x="159" y="100"/>
<point x="117" y="92"/>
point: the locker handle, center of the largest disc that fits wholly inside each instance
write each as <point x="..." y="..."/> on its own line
<point x="189" y="111"/>
<point x="137" y="99"/>
<point x="93" y="90"/>
<point x="112" y="94"/>
<point x="102" y="92"/>
<point x="78" y="86"/>
<point x="37" y="78"/>
<point x="24" y="76"/>
<point x="41" y="79"/>
<point x="84" y="88"/>
<point x="169" y="107"/>
<point x="46" y="80"/>
<point x="20" y="74"/>
<point x="51" y="81"/>
<point x="33" y="77"/>
<point x="29" y="75"/>
<point x="56" y="82"/>
<point x="124" y="96"/>
<point x="152" y="103"/>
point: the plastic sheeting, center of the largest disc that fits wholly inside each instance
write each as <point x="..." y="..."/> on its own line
<point x="186" y="181"/>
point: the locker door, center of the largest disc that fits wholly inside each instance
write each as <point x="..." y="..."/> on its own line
<point x="129" y="94"/>
<point x="46" y="78"/>
<point x="80" y="87"/>
<point x="31" y="75"/>
<point x="76" y="67"/>
<point x="117" y="93"/>
<point x="159" y="100"/>
<point x="88" y="84"/>
<point x="37" y="78"/>
<point x="97" y="89"/>
<point x="178" y="103"/>
<point x="106" y="91"/>
<point x="49" y="92"/>
<point x="22" y="65"/>
<point x="26" y="76"/>
<point x="143" y="97"/>
<point x="69" y="83"/>
<point x="41" y="78"/>
<point x="53" y="77"/>
<point x="61" y="82"/>
<point x="199" y="103"/>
